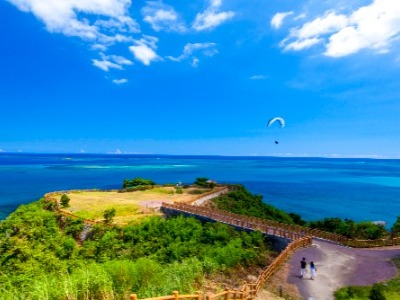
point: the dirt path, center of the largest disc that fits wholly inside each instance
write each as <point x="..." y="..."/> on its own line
<point x="339" y="266"/>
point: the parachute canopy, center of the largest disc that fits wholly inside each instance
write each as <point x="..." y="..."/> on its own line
<point x="280" y="120"/>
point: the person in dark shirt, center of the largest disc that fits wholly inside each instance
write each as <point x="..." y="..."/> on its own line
<point x="303" y="265"/>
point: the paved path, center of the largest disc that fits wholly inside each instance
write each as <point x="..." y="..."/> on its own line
<point x="339" y="266"/>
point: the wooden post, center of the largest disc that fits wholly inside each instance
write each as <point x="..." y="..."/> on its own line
<point x="133" y="297"/>
<point x="244" y="295"/>
<point x="199" y="295"/>
<point x="227" y="294"/>
<point x="176" y="295"/>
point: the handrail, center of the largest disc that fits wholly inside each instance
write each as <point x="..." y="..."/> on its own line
<point x="277" y="228"/>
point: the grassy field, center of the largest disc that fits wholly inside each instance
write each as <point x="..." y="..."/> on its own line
<point x="129" y="206"/>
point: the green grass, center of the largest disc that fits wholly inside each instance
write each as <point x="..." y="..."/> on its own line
<point x="390" y="289"/>
<point x="120" y="211"/>
<point x="163" y="191"/>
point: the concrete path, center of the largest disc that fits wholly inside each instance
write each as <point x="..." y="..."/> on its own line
<point x="339" y="266"/>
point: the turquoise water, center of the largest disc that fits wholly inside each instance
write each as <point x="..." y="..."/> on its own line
<point x="359" y="189"/>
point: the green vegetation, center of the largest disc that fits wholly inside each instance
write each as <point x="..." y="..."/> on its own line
<point x="43" y="255"/>
<point x="198" y="191"/>
<point x="396" y="228"/>
<point x="204" y="182"/>
<point x="64" y="201"/>
<point x="137" y="182"/>
<point x="351" y="229"/>
<point x="241" y="201"/>
<point x="108" y="215"/>
<point x="389" y="290"/>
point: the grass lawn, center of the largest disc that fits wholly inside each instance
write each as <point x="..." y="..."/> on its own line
<point x="129" y="206"/>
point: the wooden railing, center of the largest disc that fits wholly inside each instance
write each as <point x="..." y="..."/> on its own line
<point x="276" y="228"/>
<point x="249" y="290"/>
<point x="175" y="296"/>
<point x="236" y="220"/>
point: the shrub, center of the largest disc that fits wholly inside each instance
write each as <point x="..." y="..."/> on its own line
<point x="108" y="215"/>
<point x="376" y="292"/>
<point x="205" y="182"/>
<point x="137" y="182"/>
<point x="64" y="201"/>
<point x="241" y="201"/>
<point x="396" y="228"/>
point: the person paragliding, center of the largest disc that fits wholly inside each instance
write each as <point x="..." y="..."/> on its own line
<point x="278" y="120"/>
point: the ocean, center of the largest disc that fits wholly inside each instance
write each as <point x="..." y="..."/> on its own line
<point x="358" y="189"/>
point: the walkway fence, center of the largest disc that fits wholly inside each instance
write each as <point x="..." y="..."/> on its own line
<point x="275" y="228"/>
<point x="249" y="290"/>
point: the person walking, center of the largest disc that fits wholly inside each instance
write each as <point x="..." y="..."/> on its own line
<point x="303" y="266"/>
<point x="313" y="269"/>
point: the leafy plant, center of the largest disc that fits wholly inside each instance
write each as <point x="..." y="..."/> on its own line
<point x="108" y="215"/>
<point x="241" y="201"/>
<point x="136" y="182"/>
<point x="64" y="200"/>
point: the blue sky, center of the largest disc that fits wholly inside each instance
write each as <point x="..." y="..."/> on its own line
<point x="201" y="77"/>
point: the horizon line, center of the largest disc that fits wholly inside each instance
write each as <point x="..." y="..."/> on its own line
<point x="277" y="155"/>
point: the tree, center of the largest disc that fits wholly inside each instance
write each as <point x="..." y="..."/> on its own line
<point x="205" y="182"/>
<point x="136" y="182"/>
<point x="108" y="215"/>
<point x="377" y="292"/>
<point x="396" y="227"/>
<point x="64" y="201"/>
<point x="201" y="181"/>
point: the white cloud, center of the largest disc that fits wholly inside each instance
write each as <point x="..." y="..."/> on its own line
<point x="71" y="17"/>
<point x="309" y="34"/>
<point x="206" y="49"/>
<point x="143" y="50"/>
<point x="299" y="17"/>
<point x="120" y="81"/>
<point x="278" y="18"/>
<point x="195" y="62"/>
<point x="211" y="17"/>
<point x="258" y="77"/>
<point x="105" y="65"/>
<point x="329" y="23"/>
<point x="302" y="44"/>
<point x="108" y="62"/>
<point x="375" y="26"/>
<point x="162" y="17"/>
<point x="99" y="47"/>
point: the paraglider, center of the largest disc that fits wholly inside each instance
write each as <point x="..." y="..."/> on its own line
<point x="279" y="120"/>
